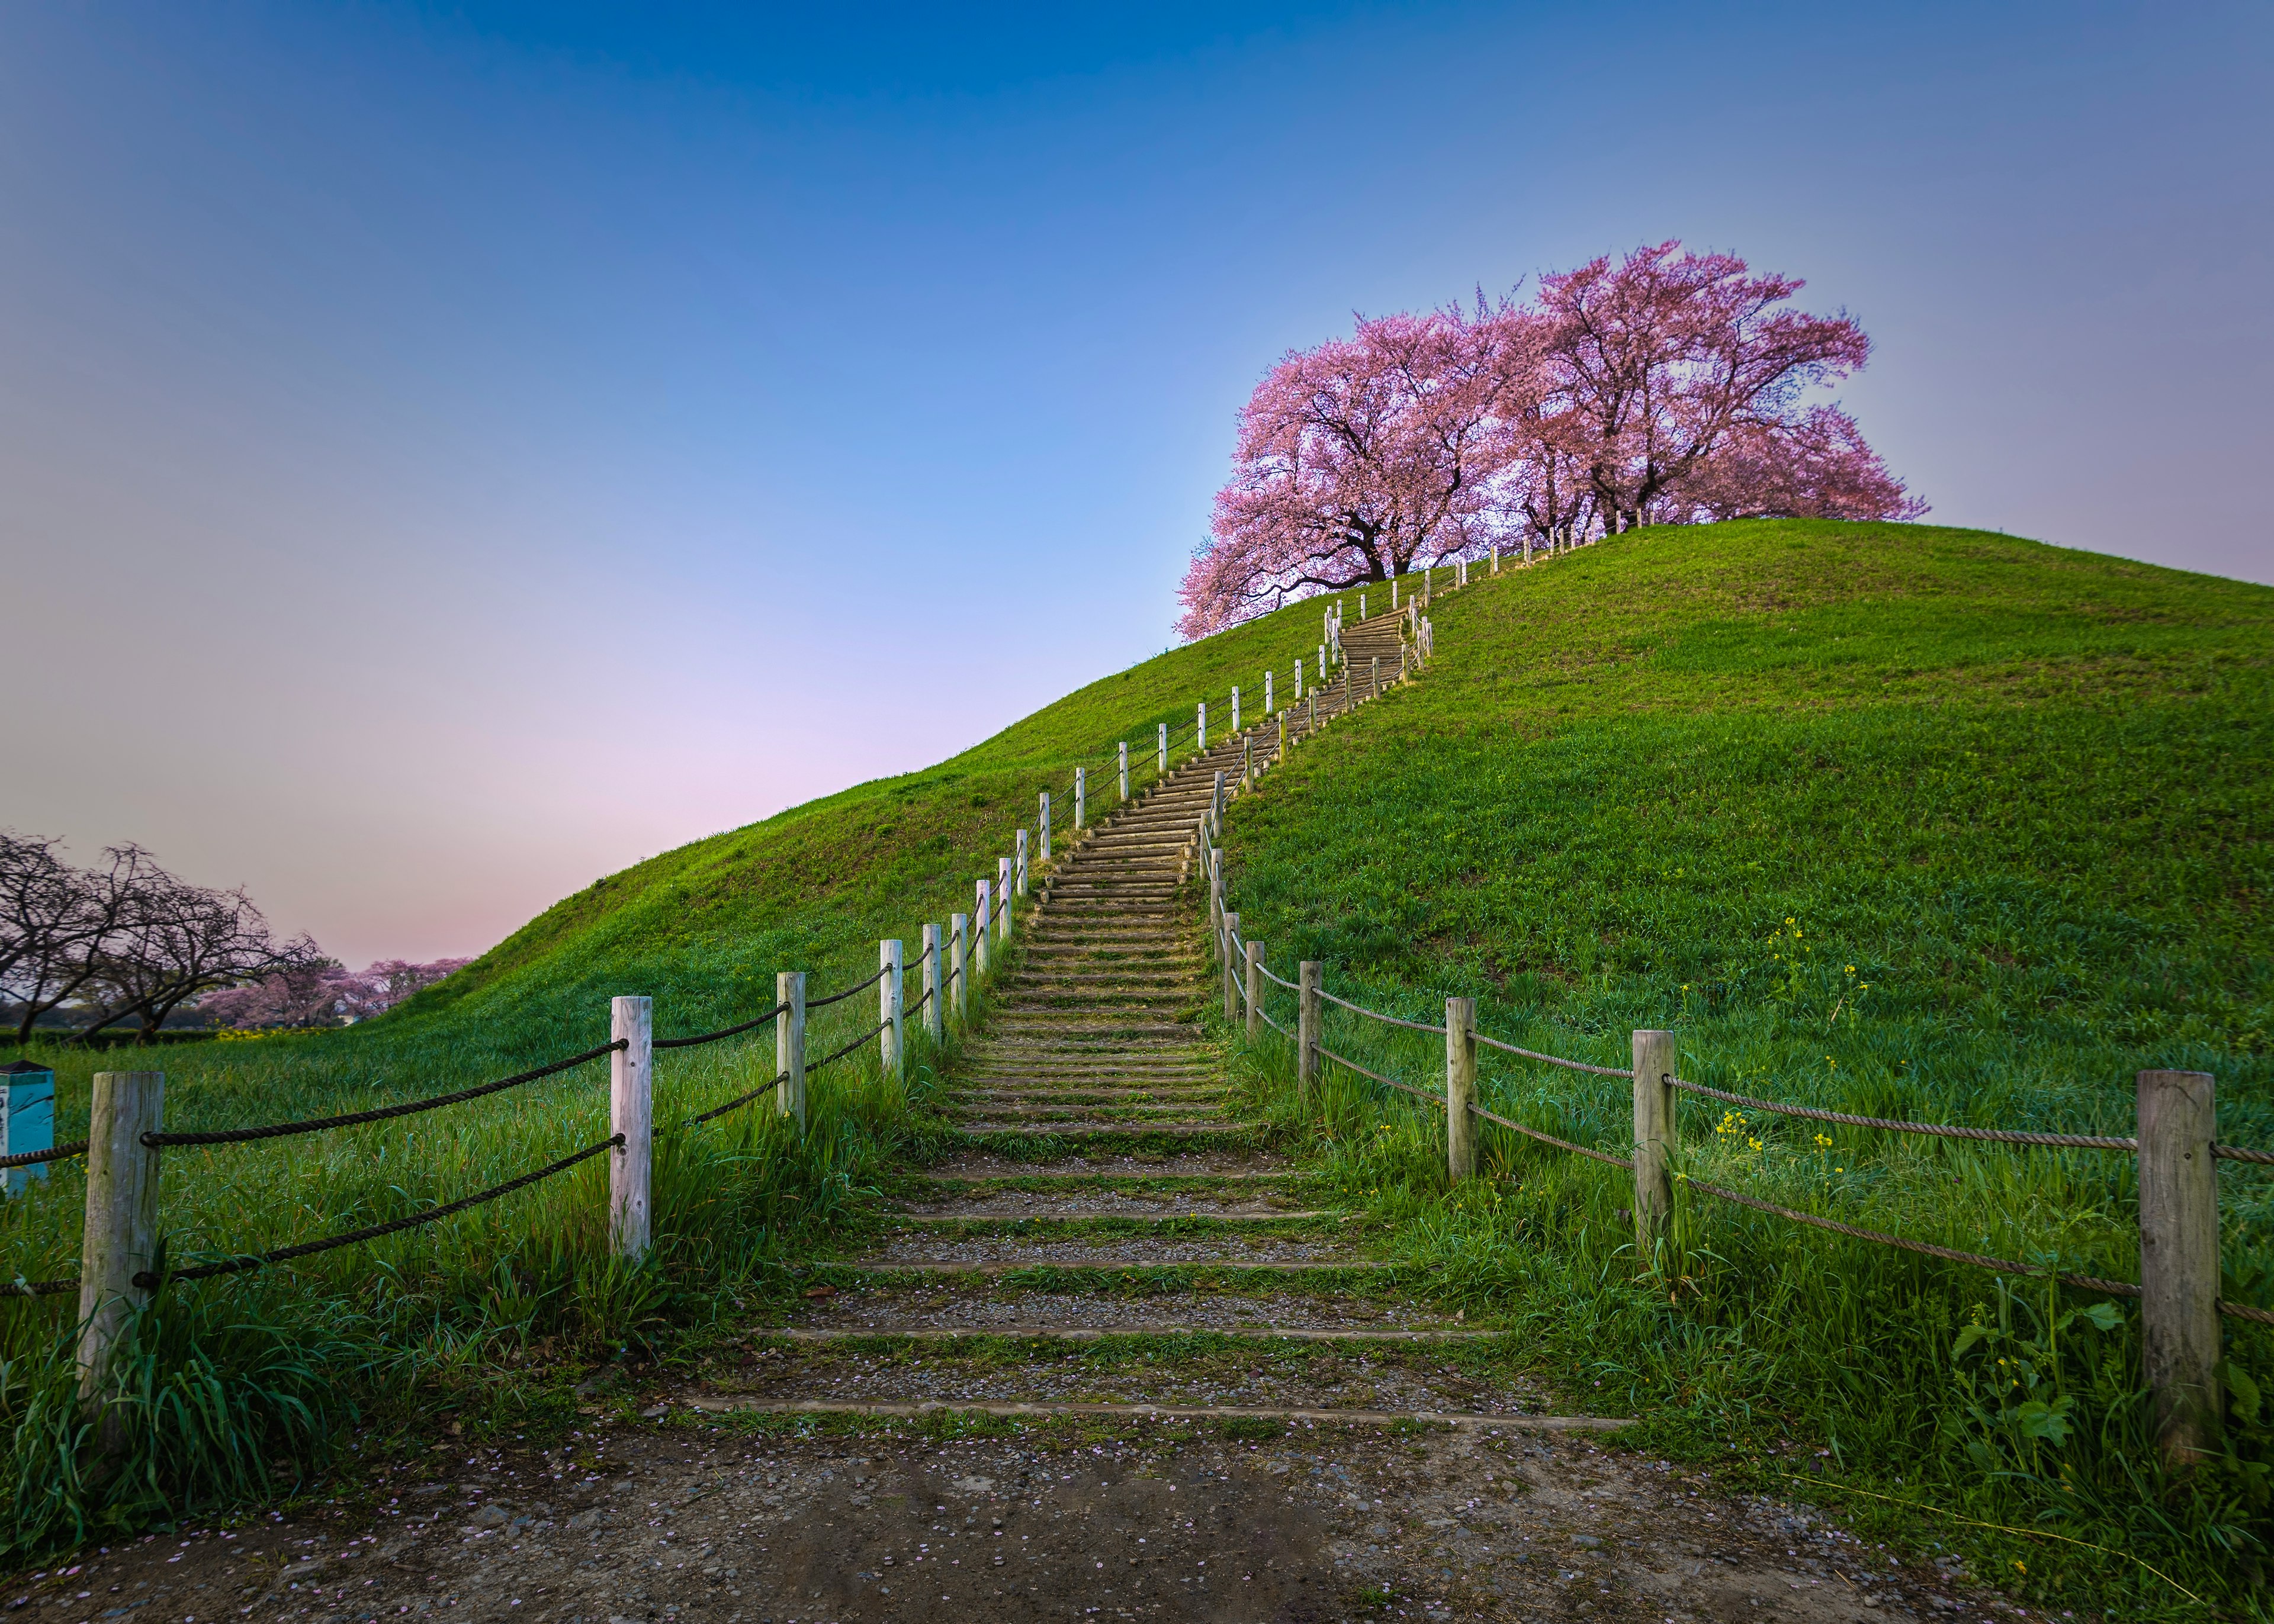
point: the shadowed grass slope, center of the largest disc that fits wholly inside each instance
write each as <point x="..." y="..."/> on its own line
<point x="1899" y="821"/>
<point x="241" y="1381"/>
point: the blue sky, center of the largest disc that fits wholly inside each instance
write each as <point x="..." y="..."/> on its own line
<point x="446" y="453"/>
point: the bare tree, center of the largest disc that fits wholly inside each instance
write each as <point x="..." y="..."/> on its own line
<point x="57" y="919"/>
<point x="182" y="940"/>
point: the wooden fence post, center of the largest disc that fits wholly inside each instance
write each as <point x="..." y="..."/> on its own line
<point x="1229" y="958"/>
<point x="1246" y="761"/>
<point x="789" y="1043"/>
<point x="932" y="990"/>
<point x="959" y="929"/>
<point x="1377" y="676"/>
<point x="1022" y="861"/>
<point x="1266" y="693"/>
<point x="2179" y="1260"/>
<point x="631" y="1112"/>
<point x="1002" y="900"/>
<point x="1045" y="821"/>
<point x="1081" y="798"/>
<point x="1124" y="770"/>
<point x="1460" y="1089"/>
<point x="27" y="1118"/>
<point x="1235" y="709"/>
<point x="1654" y="1061"/>
<point x="889" y="1049"/>
<point x="1203" y="726"/>
<point x="1162" y="769"/>
<point x="1306" y="1026"/>
<point x="1256" y="992"/>
<point x="1361" y="608"/>
<point x="121" y="1238"/>
<point x="1313" y="725"/>
<point x="982" y="925"/>
<point x="1299" y="676"/>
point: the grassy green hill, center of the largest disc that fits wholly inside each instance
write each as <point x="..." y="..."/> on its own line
<point x="1895" y="820"/>
<point x="1899" y="819"/>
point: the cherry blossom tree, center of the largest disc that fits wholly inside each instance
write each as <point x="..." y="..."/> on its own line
<point x="322" y="994"/>
<point x="1355" y="461"/>
<point x="1664" y="389"/>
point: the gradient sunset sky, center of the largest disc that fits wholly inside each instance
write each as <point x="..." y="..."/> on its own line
<point x="449" y="453"/>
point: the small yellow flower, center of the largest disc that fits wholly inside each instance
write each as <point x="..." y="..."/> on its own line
<point x="1822" y="1142"/>
<point x="1851" y="969"/>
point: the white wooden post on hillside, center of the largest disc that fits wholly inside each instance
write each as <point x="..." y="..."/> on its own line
<point x="1460" y="1089"/>
<point x="1124" y="769"/>
<point x="983" y="922"/>
<point x="1267" y="696"/>
<point x="959" y="962"/>
<point x="631" y="1116"/>
<point x="1393" y="594"/>
<point x="888" y="1007"/>
<point x="1254" y="968"/>
<point x="1306" y="1027"/>
<point x="1228" y="956"/>
<point x="1002" y="900"/>
<point x="1299" y="678"/>
<point x="1080" y="799"/>
<point x="1235" y="709"/>
<point x="121" y="1237"/>
<point x="1022" y="863"/>
<point x="1203" y="726"/>
<point x="933" y="990"/>
<point x="1162" y="771"/>
<point x="1655" y="1060"/>
<point x="1495" y="558"/>
<point x="1361" y="606"/>
<point x="1046" y="825"/>
<point x="2179" y="1260"/>
<point x="790" y="1044"/>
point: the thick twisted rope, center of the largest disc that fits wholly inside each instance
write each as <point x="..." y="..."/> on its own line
<point x="816" y="1065"/>
<point x="149" y="1281"/>
<point x="1387" y="1082"/>
<point x="284" y="1129"/>
<point x="737" y="1103"/>
<point x="838" y="997"/>
<point x="1572" y="1065"/>
<point x="2058" y="1141"/>
<point x="724" y="1031"/>
<point x="1549" y="1139"/>
<point x="38" y="1287"/>
<point x="30" y="1158"/>
<point x="1388" y="1020"/>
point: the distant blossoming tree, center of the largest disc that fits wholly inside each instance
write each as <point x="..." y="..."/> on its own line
<point x="323" y="994"/>
<point x="1663" y="390"/>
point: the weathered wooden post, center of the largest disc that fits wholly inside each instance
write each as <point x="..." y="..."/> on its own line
<point x="790" y="1044"/>
<point x="1215" y="896"/>
<point x="2179" y="1260"/>
<point x="631" y="1113"/>
<point x="1298" y="678"/>
<point x="1266" y="693"/>
<point x="933" y="988"/>
<point x="1377" y="676"/>
<point x="1080" y="799"/>
<point x="1254" y="992"/>
<point x="1460" y="1089"/>
<point x="1002" y="900"/>
<point x="1045" y="820"/>
<point x="1306" y="1026"/>
<point x="121" y="1238"/>
<point x="982" y="923"/>
<point x="1283" y="736"/>
<point x="1495" y="558"/>
<point x="1312" y="726"/>
<point x="1202" y="726"/>
<point x="1246" y="761"/>
<point x="888" y="1047"/>
<point x="1162" y="769"/>
<point x="1215" y="804"/>
<point x="959" y="966"/>
<point x="1654" y="1064"/>
<point x="27" y="1118"/>
<point x="1362" y="607"/>
<point x="1228" y="956"/>
<point x="1393" y="594"/>
<point x="1235" y="709"/>
<point x="1322" y="662"/>
<point x="1022" y="863"/>
<point x="1124" y="770"/>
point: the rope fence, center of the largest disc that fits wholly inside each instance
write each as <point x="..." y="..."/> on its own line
<point x="2000" y="1136"/>
<point x="723" y="1031"/>
<point x="34" y="1158"/>
<point x="149" y="1281"/>
<point x="386" y="1113"/>
<point x="812" y="1005"/>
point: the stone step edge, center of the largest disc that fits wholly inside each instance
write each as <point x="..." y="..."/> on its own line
<point x="1125" y="1267"/>
<point x="1091" y="1334"/>
<point x="1510" y="1420"/>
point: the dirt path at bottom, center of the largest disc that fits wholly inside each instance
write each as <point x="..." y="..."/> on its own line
<point x="698" y="1519"/>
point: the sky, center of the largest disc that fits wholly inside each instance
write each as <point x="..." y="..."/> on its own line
<point x="450" y="453"/>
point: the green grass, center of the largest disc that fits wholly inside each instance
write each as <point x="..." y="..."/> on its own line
<point x="1901" y="820"/>
<point x="246" y="1383"/>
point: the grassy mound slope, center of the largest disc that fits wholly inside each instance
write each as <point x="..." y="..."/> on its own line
<point x="240" y="1373"/>
<point x="1899" y="821"/>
